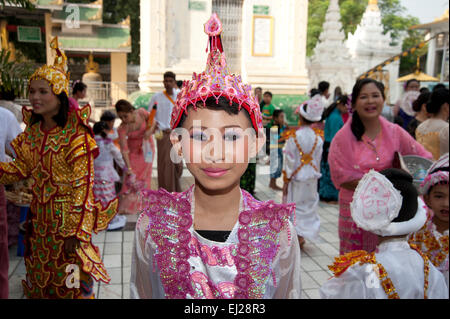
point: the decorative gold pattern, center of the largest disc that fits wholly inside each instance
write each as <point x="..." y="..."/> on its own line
<point x="342" y="263"/>
<point x="60" y="163"/>
<point x="55" y="74"/>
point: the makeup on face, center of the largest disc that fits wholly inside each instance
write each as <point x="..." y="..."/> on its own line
<point x="370" y="101"/>
<point x="42" y="99"/>
<point x="215" y="146"/>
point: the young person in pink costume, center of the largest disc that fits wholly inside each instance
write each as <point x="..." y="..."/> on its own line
<point x="432" y="238"/>
<point x="215" y="240"/>
<point x="367" y="141"/>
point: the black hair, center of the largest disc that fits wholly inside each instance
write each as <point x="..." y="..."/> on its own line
<point x="179" y="83"/>
<point x="268" y="93"/>
<point x="342" y="99"/>
<point x="323" y="86"/>
<point x="313" y="92"/>
<point x="357" y="125"/>
<point x="424" y="90"/>
<point x="421" y="100"/>
<point x="108" y="116"/>
<point x="439" y="86"/>
<point x="7" y="95"/>
<point x="124" y="106"/>
<point x="78" y="86"/>
<point x="411" y="81"/>
<point x="403" y="182"/>
<point x="61" y="117"/>
<point x="222" y="104"/>
<point x="258" y="88"/>
<point x="277" y="112"/>
<point x="438" y="98"/>
<point x="99" y="129"/>
<point x="170" y="74"/>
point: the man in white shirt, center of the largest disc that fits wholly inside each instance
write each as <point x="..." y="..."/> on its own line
<point x="9" y="129"/>
<point x="169" y="173"/>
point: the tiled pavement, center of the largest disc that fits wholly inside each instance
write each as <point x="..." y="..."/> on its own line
<point x="116" y="247"/>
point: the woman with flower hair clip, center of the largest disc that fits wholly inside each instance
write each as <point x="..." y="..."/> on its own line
<point x="215" y="240"/>
<point x="57" y="151"/>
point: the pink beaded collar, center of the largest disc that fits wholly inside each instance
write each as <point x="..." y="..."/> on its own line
<point x="170" y="227"/>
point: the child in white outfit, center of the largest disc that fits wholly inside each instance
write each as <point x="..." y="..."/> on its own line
<point x="386" y="204"/>
<point x="302" y="171"/>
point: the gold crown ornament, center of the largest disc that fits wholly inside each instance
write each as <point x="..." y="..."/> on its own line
<point x="55" y="74"/>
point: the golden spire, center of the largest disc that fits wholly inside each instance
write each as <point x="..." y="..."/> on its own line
<point x="92" y="67"/>
<point x="373" y="5"/>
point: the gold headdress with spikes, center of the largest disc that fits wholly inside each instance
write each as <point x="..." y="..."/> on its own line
<point x="55" y="74"/>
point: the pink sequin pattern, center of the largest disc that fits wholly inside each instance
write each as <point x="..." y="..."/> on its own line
<point x="216" y="81"/>
<point x="170" y="228"/>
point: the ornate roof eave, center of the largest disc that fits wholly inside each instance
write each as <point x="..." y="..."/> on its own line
<point x="431" y="25"/>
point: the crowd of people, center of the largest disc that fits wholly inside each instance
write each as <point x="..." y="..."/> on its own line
<point x="215" y="239"/>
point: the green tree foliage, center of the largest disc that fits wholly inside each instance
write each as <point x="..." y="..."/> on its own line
<point x="14" y="75"/>
<point x="393" y="18"/>
<point x="114" y="11"/>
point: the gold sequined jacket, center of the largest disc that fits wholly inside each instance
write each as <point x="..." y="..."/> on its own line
<point x="60" y="163"/>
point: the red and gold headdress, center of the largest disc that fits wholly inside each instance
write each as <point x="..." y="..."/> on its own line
<point x="216" y="81"/>
<point x="55" y="74"/>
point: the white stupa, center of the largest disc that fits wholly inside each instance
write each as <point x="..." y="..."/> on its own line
<point x="331" y="60"/>
<point x="368" y="47"/>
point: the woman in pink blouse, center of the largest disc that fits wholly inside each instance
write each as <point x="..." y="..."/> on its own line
<point x="132" y="133"/>
<point x="367" y="141"/>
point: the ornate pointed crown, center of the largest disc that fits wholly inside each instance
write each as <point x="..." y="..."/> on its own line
<point x="437" y="173"/>
<point x="55" y="74"/>
<point x="216" y="81"/>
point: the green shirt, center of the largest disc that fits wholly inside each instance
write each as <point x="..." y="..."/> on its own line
<point x="267" y="111"/>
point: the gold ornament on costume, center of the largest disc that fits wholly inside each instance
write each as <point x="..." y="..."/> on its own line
<point x="55" y="74"/>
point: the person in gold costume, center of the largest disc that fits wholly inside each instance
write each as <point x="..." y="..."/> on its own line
<point x="57" y="152"/>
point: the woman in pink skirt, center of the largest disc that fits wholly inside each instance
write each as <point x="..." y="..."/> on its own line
<point x="133" y="132"/>
<point x="367" y="141"/>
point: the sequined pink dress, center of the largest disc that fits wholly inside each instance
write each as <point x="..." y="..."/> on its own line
<point x="350" y="159"/>
<point x="131" y="143"/>
<point x="260" y="258"/>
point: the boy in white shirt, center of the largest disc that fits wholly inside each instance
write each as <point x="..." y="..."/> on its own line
<point x="302" y="171"/>
<point x="388" y="205"/>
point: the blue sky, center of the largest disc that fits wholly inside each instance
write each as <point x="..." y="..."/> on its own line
<point x="425" y="10"/>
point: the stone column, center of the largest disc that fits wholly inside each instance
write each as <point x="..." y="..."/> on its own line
<point x="48" y="37"/>
<point x="431" y="56"/>
<point x="153" y="44"/>
<point x="118" y="76"/>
